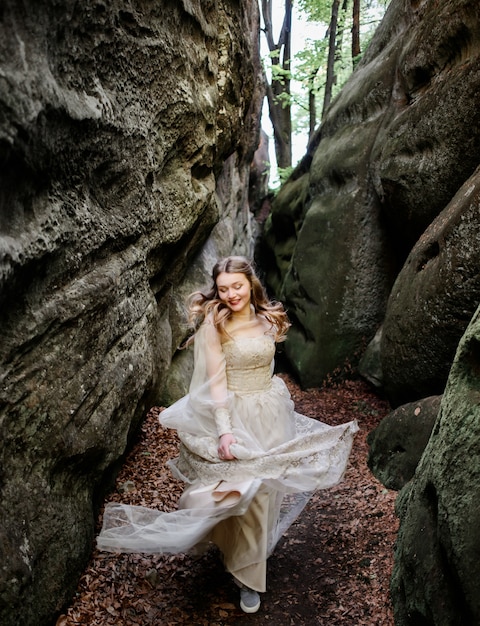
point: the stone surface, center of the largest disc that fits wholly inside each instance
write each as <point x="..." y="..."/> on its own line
<point x="259" y="175"/>
<point x="435" y="577"/>
<point x="432" y="300"/>
<point x="370" y="364"/>
<point x="396" y="145"/>
<point x="126" y="137"/>
<point x="398" y="442"/>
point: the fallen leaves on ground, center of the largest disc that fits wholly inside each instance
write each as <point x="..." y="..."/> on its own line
<point x="331" y="568"/>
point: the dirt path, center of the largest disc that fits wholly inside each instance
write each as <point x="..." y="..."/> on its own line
<point x="331" y="568"/>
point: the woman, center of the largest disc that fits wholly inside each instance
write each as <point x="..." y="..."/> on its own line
<point x="250" y="462"/>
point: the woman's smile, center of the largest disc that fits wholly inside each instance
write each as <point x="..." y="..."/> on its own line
<point x="235" y="290"/>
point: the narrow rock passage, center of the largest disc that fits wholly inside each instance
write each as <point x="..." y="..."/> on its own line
<point x="332" y="567"/>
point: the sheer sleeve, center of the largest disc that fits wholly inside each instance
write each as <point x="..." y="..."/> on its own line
<point x="210" y="366"/>
<point x="205" y="411"/>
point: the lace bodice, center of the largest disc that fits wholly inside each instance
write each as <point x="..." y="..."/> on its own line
<point x="248" y="363"/>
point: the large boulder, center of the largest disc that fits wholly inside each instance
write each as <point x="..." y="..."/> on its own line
<point x="127" y="131"/>
<point x="397" y="443"/>
<point x="394" y="148"/>
<point x="435" y="576"/>
<point x="432" y="300"/>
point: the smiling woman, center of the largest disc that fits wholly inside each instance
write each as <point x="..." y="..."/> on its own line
<point x="249" y="461"/>
<point x="234" y="290"/>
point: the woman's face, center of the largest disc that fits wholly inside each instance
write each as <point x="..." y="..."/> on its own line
<point x="235" y="290"/>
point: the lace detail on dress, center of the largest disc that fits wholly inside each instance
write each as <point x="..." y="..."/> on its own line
<point x="283" y="455"/>
<point x="249" y="352"/>
<point x="249" y="381"/>
<point x="315" y="458"/>
<point x="248" y="364"/>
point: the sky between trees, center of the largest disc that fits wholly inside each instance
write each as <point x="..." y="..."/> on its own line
<point x="305" y="89"/>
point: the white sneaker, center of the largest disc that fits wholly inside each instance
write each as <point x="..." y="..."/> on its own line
<point x="249" y="600"/>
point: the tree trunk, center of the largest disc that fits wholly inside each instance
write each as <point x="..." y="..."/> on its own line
<point x="356" y="32"/>
<point x="342" y="18"/>
<point x="331" y="56"/>
<point x="312" y="106"/>
<point x="278" y="91"/>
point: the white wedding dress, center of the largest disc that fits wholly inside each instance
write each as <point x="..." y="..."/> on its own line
<point x="244" y="505"/>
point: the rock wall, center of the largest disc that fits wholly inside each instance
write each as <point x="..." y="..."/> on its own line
<point x="374" y="246"/>
<point x="396" y="146"/>
<point x="432" y="299"/>
<point x="435" y="577"/>
<point x="126" y="135"/>
<point x="398" y="442"/>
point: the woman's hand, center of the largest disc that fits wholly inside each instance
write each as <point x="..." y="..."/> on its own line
<point x="224" y="443"/>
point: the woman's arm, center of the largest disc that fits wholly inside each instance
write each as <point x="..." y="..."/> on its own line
<point x="215" y="365"/>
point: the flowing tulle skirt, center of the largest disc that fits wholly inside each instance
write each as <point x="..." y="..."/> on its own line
<point x="245" y="505"/>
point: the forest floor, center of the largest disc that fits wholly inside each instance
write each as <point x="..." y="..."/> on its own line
<point x="332" y="567"/>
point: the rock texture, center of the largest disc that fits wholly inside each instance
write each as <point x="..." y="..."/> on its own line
<point x="397" y="148"/>
<point x="126" y="136"/>
<point x="435" y="577"/>
<point x="397" y="443"/>
<point x="432" y="300"/>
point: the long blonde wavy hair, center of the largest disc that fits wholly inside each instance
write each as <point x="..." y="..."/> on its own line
<point x="202" y="305"/>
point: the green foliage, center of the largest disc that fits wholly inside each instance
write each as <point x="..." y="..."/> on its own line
<point x="308" y="73"/>
<point x="279" y="74"/>
<point x="284" y="173"/>
<point x="285" y="99"/>
<point x="309" y="67"/>
<point x="316" y="10"/>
